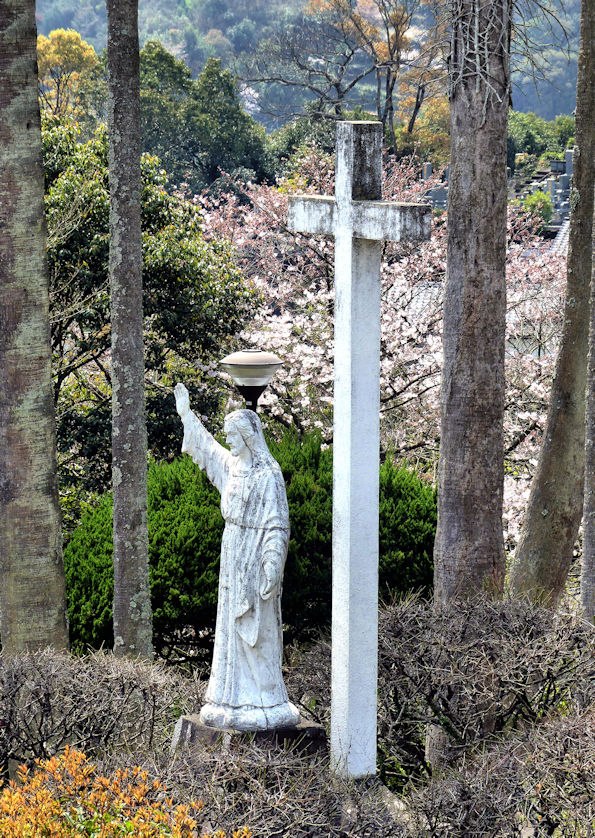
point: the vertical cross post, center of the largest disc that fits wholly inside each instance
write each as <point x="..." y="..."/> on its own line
<point x="356" y="452"/>
<point x="359" y="222"/>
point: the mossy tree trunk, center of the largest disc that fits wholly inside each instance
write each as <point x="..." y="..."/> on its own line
<point x="32" y="598"/>
<point x="555" y="507"/>
<point x="469" y="547"/>
<point x="585" y="108"/>
<point x="132" y="600"/>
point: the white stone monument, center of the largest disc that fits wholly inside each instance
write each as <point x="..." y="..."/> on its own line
<point x="359" y="222"/>
<point x="246" y="689"/>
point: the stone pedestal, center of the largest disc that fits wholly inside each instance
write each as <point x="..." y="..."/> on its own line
<point x="306" y="737"/>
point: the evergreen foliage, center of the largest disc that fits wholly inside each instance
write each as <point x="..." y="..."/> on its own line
<point x="539" y="204"/>
<point x="227" y="138"/>
<point x="229" y="29"/>
<point x="530" y="134"/>
<point x="185" y="529"/>
<point x="197" y="127"/>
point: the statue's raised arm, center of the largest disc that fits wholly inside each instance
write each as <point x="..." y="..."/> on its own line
<point x="200" y="444"/>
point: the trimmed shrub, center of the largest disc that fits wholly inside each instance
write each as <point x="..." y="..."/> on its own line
<point x="96" y="703"/>
<point x="539" y="204"/>
<point x="482" y="671"/>
<point x="185" y="529"/>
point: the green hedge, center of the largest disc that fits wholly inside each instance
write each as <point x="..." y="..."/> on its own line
<point x="185" y="528"/>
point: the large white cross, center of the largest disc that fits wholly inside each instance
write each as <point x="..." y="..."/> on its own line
<point x="359" y="222"/>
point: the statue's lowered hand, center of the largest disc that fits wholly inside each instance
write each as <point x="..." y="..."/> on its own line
<point x="270" y="578"/>
<point x="182" y="400"/>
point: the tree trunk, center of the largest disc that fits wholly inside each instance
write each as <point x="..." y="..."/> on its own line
<point x="588" y="561"/>
<point x="555" y="507"/>
<point x="132" y="600"/>
<point x="469" y="547"/>
<point x="585" y="108"/>
<point x="32" y="597"/>
<point x="419" y="99"/>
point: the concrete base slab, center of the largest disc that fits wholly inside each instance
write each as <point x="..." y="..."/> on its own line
<point x="306" y="737"/>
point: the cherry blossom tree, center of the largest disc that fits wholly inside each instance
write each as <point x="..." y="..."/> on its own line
<point x="294" y="275"/>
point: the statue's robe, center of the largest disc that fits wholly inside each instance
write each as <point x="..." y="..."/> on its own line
<point x="246" y="686"/>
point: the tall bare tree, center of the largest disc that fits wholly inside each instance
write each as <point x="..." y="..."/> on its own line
<point x="588" y="561"/>
<point x="585" y="108"/>
<point x="132" y="601"/>
<point x="555" y="506"/>
<point x="469" y="548"/>
<point x="335" y="45"/>
<point x="32" y="598"/>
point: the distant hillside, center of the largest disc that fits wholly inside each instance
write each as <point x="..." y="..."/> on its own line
<point x="192" y="29"/>
<point x="197" y="29"/>
<point x="554" y="90"/>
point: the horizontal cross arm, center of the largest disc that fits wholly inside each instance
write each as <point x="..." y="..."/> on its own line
<point x="385" y="221"/>
<point x="311" y="214"/>
<point x="373" y="220"/>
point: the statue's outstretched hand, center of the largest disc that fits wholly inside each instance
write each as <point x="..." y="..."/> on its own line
<point x="270" y="578"/>
<point x="182" y="400"/>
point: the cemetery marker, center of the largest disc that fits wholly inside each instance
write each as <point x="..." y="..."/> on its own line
<point x="359" y="222"/>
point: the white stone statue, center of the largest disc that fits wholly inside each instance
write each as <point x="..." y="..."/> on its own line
<point x="246" y="689"/>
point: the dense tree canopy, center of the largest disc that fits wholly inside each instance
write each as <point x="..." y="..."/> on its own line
<point x="194" y="299"/>
<point x="198" y="128"/>
<point x="533" y="135"/>
<point x="227" y="29"/>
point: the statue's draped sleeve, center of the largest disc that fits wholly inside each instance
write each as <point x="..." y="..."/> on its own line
<point x="206" y="451"/>
<point x="266" y="507"/>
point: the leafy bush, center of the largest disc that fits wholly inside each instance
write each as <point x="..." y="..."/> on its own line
<point x="185" y="529"/>
<point x="66" y="796"/>
<point x="539" y="204"/>
<point x="531" y="134"/>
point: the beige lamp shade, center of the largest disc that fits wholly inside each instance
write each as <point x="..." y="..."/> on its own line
<point x="251" y="367"/>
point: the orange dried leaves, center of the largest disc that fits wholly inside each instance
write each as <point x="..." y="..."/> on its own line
<point x="65" y="796"/>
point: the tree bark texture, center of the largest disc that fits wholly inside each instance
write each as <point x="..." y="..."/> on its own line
<point x="588" y="561"/>
<point x="132" y="600"/>
<point x="32" y="597"/>
<point x="585" y="108"/>
<point x="555" y="506"/>
<point x="469" y="547"/>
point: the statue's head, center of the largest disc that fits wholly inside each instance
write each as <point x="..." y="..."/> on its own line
<point x="246" y="424"/>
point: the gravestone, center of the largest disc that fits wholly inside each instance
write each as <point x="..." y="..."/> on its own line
<point x="568" y="158"/>
<point x="439" y="196"/>
<point x="564" y="181"/>
<point x="359" y="222"/>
